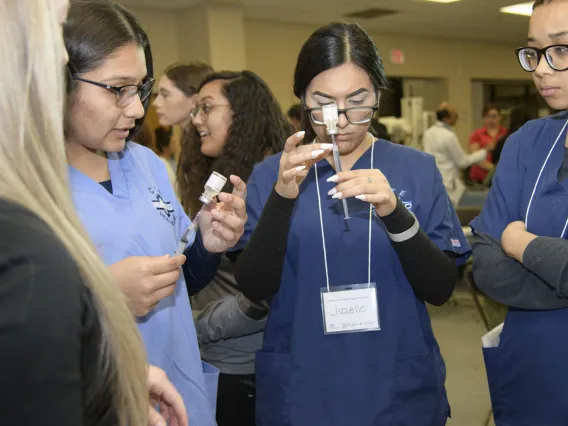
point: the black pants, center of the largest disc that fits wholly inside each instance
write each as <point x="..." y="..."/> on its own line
<point x="236" y="400"/>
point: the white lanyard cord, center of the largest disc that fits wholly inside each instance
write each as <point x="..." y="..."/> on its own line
<point x="323" y="232"/>
<point x="538" y="180"/>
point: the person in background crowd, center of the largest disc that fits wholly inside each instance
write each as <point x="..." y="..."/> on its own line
<point x="177" y="92"/>
<point x="441" y="141"/>
<point x="174" y="102"/>
<point x="379" y="130"/>
<point x="486" y="138"/>
<point x="163" y="137"/>
<point x="237" y="123"/>
<point x="295" y="117"/>
<point x="519" y="116"/>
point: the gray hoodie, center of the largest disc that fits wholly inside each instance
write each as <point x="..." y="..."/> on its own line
<point x="229" y="326"/>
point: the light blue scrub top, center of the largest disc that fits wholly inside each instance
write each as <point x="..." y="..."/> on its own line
<point x="142" y="217"/>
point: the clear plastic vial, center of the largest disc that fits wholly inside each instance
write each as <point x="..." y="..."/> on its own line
<point x="213" y="187"/>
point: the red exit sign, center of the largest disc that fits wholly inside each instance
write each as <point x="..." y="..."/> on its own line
<point x="397" y="56"/>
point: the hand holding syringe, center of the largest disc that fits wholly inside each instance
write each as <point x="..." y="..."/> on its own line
<point x="213" y="187"/>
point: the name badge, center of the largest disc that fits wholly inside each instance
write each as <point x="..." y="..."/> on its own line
<point x="350" y="309"/>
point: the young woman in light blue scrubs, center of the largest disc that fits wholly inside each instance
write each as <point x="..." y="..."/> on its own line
<point x="520" y="249"/>
<point x="348" y="339"/>
<point x="127" y="203"/>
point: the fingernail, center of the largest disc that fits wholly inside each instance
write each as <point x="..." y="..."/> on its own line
<point x="300" y="168"/>
<point x="326" y="146"/>
<point x="333" y="178"/>
<point x="338" y="195"/>
<point x="317" y="153"/>
<point x="300" y="134"/>
<point x="361" y="197"/>
<point x="161" y="423"/>
<point x="332" y="191"/>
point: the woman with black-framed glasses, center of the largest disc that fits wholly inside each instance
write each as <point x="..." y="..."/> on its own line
<point x="520" y="248"/>
<point x="127" y="204"/>
<point x="348" y="339"/>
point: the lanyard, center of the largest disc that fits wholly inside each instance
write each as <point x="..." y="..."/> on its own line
<point x="538" y="180"/>
<point x="322" y="230"/>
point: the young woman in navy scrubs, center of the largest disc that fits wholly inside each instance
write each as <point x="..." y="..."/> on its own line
<point x="520" y="249"/>
<point x="348" y="339"/>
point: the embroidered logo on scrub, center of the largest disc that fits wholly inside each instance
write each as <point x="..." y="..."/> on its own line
<point x="165" y="208"/>
<point x="401" y="195"/>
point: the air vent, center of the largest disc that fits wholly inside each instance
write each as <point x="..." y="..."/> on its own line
<point x="371" y="13"/>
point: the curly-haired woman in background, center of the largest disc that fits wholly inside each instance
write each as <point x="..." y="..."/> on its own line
<point x="237" y="123"/>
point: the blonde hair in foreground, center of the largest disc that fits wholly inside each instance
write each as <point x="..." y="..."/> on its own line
<point x="33" y="173"/>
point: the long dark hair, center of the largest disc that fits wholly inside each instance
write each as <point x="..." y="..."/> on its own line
<point x="93" y="31"/>
<point x="332" y="46"/>
<point x="259" y="128"/>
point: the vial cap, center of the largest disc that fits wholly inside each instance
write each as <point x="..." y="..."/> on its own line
<point x="330" y="113"/>
<point x="216" y="181"/>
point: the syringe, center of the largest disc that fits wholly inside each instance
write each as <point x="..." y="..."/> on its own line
<point x="188" y="234"/>
<point x="330" y="118"/>
<point x="213" y="187"/>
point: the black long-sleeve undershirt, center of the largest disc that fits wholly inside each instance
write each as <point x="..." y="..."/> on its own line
<point x="431" y="272"/>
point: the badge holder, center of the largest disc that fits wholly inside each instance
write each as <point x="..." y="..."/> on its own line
<point x="351" y="308"/>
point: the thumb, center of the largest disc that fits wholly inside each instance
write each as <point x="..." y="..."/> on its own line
<point x="154" y="418"/>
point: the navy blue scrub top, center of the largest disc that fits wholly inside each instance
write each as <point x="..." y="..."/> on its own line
<point x="527" y="372"/>
<point x="394" y="376"/>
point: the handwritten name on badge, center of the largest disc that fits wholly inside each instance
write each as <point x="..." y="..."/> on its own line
<point x="351" y="310"/>
<point x="355" y="309"/>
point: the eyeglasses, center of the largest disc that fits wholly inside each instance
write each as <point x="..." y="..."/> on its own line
<point x="204" y="109"/>
<point x="125" y="94"/>
<point x="354" y="115"/>
<point x="556" y="57"/>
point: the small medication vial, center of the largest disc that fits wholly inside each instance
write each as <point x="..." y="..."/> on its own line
<point x="330" y="118"/>
<point x="213" y="187"/>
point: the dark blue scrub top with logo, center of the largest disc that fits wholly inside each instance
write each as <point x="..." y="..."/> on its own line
<point x="527" y="372"/>
<point x="394" y="376"/>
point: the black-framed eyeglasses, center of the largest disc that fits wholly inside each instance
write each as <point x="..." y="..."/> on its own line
<point x="204" y="109"/>
<point x="354" y="115"/>
<point x="125" y="94"/>
<point x="556" y="57"/>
